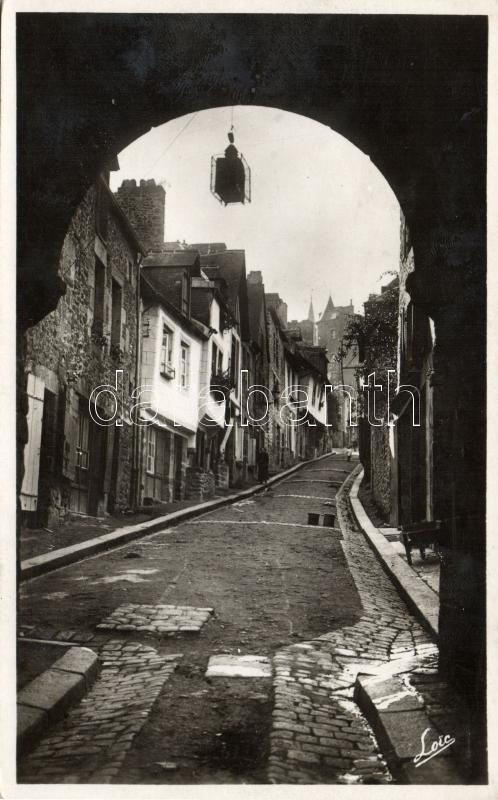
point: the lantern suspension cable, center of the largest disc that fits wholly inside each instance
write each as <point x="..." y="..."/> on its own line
<point x="171" y="143"/>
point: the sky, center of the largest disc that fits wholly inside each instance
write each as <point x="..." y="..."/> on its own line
<point x="322" y="219"/>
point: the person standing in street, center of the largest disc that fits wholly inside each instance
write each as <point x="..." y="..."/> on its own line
<point x="263" y="461"/>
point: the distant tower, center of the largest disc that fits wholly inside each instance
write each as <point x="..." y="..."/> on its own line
<point x="311" y="313"/>
<point x="329" y="309"/>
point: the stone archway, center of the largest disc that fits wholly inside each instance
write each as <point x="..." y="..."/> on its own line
<point x="408" y="91"/>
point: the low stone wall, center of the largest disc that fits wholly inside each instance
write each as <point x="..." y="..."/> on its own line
<point x="200" y="484"/>
<point x="222" y="476"/>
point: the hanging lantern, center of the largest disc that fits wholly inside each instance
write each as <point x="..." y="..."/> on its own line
<point x="230" y="176"/>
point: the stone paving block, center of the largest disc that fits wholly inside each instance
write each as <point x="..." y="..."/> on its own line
<point x="226" y="666"/>
<point x="89" y="745"/>
<point x="158" y="619"/>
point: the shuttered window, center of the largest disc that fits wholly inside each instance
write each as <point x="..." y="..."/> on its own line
<point x="151" y="450"/>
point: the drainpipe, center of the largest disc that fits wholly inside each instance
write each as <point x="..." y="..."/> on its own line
<point x="135" y="494"/>
<point x="224" y="441"/>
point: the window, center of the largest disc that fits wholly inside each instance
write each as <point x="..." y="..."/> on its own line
<point x="151" y="449"/>
<point x="117" y="296"/>
<point x="313" y="398"/>
<point x="98" y="298"/>
<point x="184" y="364"/>
<point x="334" y="334"/>
<point x="167" y="350"/>
<point x="216" y="360"/>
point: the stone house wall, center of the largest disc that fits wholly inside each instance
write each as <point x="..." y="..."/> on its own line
<point x="380" y="469"/>
<point x="64" y="351"/>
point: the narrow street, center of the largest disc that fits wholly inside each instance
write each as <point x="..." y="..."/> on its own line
<point x="271" y="581"/>
<point x="308" y="606"/>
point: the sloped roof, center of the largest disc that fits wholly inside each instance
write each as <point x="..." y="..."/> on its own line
<point x="205" y="248"/>
<point x="232" y="268"/>
<point x="315" y="356"/>
<point x="152" y="290"/>
<point x="175" y="258"/>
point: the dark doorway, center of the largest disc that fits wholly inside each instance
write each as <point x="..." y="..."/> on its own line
<point x="178" y="462"/>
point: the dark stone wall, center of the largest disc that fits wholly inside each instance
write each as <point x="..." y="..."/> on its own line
<point x="63" y="350"/>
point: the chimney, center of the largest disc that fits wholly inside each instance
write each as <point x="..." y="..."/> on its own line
<point x="144" y="205"/>
<point x="255" y="276"/>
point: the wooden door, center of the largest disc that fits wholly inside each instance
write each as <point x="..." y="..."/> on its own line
<point x="29" y="489"/>
<point x="80" y="483"/>
<point x="98" y="449"/>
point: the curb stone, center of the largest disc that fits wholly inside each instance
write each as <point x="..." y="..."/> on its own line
<point x="398" y="719"/>
<point x="394" y="710"/>
<point x="47" y="562"/>
<point x="47" y="697"/>
<point x="420" y="599"/>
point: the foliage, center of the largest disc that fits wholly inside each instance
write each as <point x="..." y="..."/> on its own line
<point x="373" y="338"/>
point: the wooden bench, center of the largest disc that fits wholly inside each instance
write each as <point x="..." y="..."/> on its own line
<point x="421" y="535"/>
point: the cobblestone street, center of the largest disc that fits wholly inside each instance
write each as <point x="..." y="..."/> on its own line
<point x="250" y="579"/>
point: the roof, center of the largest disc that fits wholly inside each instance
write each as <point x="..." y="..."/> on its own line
<point x="173" y="245"/>
<point x="205" y="248"/>
<point x="314" y="356"/>
<point x="330" y="305"/>
<point x="151" y="290"/>
<point x="231" y="266"/>
<point x="174" y="258"/>
<point x="329" y="309"/>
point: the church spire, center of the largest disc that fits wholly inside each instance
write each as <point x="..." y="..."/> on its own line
<point x="311" y="313"/>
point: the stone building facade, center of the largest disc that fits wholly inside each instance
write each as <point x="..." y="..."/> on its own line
<point x="76" y="464"/>
<point x="413" y="440"/>
<point x="331" y="327"/>
<point x="328" y="332"/>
